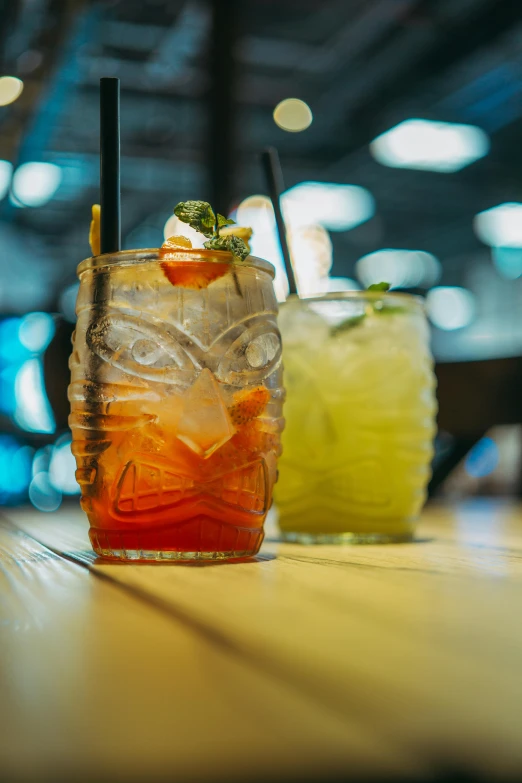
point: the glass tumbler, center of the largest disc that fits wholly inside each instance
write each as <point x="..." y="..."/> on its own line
<point x="360" y="418"/>
<point x="176" y="395"/>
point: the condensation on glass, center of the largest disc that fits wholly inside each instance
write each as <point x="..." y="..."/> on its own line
<point x="360" y="418"/>
<point x="176" y="403"/>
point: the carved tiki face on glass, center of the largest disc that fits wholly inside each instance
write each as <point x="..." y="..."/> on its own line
<point x="176" y="396"/>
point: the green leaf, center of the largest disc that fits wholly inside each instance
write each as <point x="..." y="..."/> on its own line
<point x="346" y="325"/>
<point x="199" y="215"/>
<point x="223" y="221"/>
<point x="231" y="243"/>
<point x="390" y="310"/>
<point x="383" y="287"/>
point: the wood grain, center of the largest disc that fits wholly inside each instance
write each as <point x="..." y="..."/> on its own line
<point x="416" y="645"/>
<point x="97" y="684"/>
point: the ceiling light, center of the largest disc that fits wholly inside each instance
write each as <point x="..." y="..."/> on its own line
<point x="15" y="468"/>
<point x="10" y="89"/>
<point x="311" y="251"/>
<point x="508" y="261"/>
<point x="34" y="184"/>
<point x="293" y="115"/>
<point x="500" y="226"/>
<point x="67" y="302"/>
<point x="335" y="207"/>
<point x="399" y="268"/>
<point x="33" y="411"/>
<point x="43" y="495"/>
<point x="36" y="331"/>
<point x="450" y="307"/>
<point x="62" y="467"/>
<point x="256" y="212"/>
<point x="6" y="172"/>
<point x="434" y="146"/>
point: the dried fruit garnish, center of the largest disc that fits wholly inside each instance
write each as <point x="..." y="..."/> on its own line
<point x="94" y="232"/>
<point x="193" y="274"/>
<point x="248" y="405"/>
<point x="177" y="242"/>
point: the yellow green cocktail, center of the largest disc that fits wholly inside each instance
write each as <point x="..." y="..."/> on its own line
<point x="360" y="417"/>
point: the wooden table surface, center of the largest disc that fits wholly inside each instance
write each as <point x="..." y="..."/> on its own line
<point x="307" y="663"/>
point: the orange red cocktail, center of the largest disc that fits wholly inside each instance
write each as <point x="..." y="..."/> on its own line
<point x="176" y="398"/>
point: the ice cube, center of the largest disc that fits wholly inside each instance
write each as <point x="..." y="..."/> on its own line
<point x="204" y="424"/>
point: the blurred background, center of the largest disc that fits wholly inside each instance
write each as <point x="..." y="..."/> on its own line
<point x="398" y="124"/>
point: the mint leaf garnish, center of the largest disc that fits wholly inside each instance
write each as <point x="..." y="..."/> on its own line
<point x="375" y="308"/>
<point x="349" y="323"/>
<point x="389" y="310"/>
<point x="233" y="244"/>
<point x="199" y="215"/>
<point x="223" y="221"/>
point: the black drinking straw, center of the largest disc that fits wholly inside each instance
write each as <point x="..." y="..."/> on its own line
<point x="110" y="229"/>
<point x="275" y="183"/>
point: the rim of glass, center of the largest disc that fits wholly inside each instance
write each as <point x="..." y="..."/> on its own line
<point x="394" y="296"/>
<point x="134" y="257"/>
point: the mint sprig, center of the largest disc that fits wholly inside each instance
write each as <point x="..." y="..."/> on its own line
<point x="346" y="325"/>
<point x="233" y="244"/>
<point x="375" y="308"/>
<point x="200" y="216"/>
<point x="222" y="221"/>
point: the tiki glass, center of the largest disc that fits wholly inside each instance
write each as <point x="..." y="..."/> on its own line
<point x="359" y="417"/>
<point x="176" y="397"/>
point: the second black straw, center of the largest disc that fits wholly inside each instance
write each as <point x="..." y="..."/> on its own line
<point x="274" y="180"/>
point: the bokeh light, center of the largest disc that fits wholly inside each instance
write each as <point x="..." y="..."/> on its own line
<point x="311" y="251"/>
<point x="335" y="284"/>
<point x="257" y="212"/>
<point x="36" y="331"/>
<point x="482" y="459"/>
<point x="62" y="467"/>
<point x="33" y="412"/>
<point x="336" y="207"/>
<point x="15" y="469"/>
<point x="450" y="307"/>
<point x="500" y="226"/>
<point x="34" y="184"/>
<point x="293" y="115"/>
<point x="10" y="89"/>
<point x="309" y="244"/>
<point x="400" y="268"/>
<point x="433" y="146"/>
<point x="6" y="172"/>
<point x="508" y="261"/>
<point x="42" y="494"/>
<point x="67" y="302"/>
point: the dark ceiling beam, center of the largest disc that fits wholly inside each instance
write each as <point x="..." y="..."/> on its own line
<point x="52" y="35"/>
<point x="369" y="115"/>
<point x="8" y="16"/>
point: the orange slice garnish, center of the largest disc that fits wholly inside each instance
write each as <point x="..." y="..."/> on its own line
<point x="189" y="274"/>
<point x="193" y="274"/>
<point x="94" y="232"/>
<point x="177" y="242"/>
